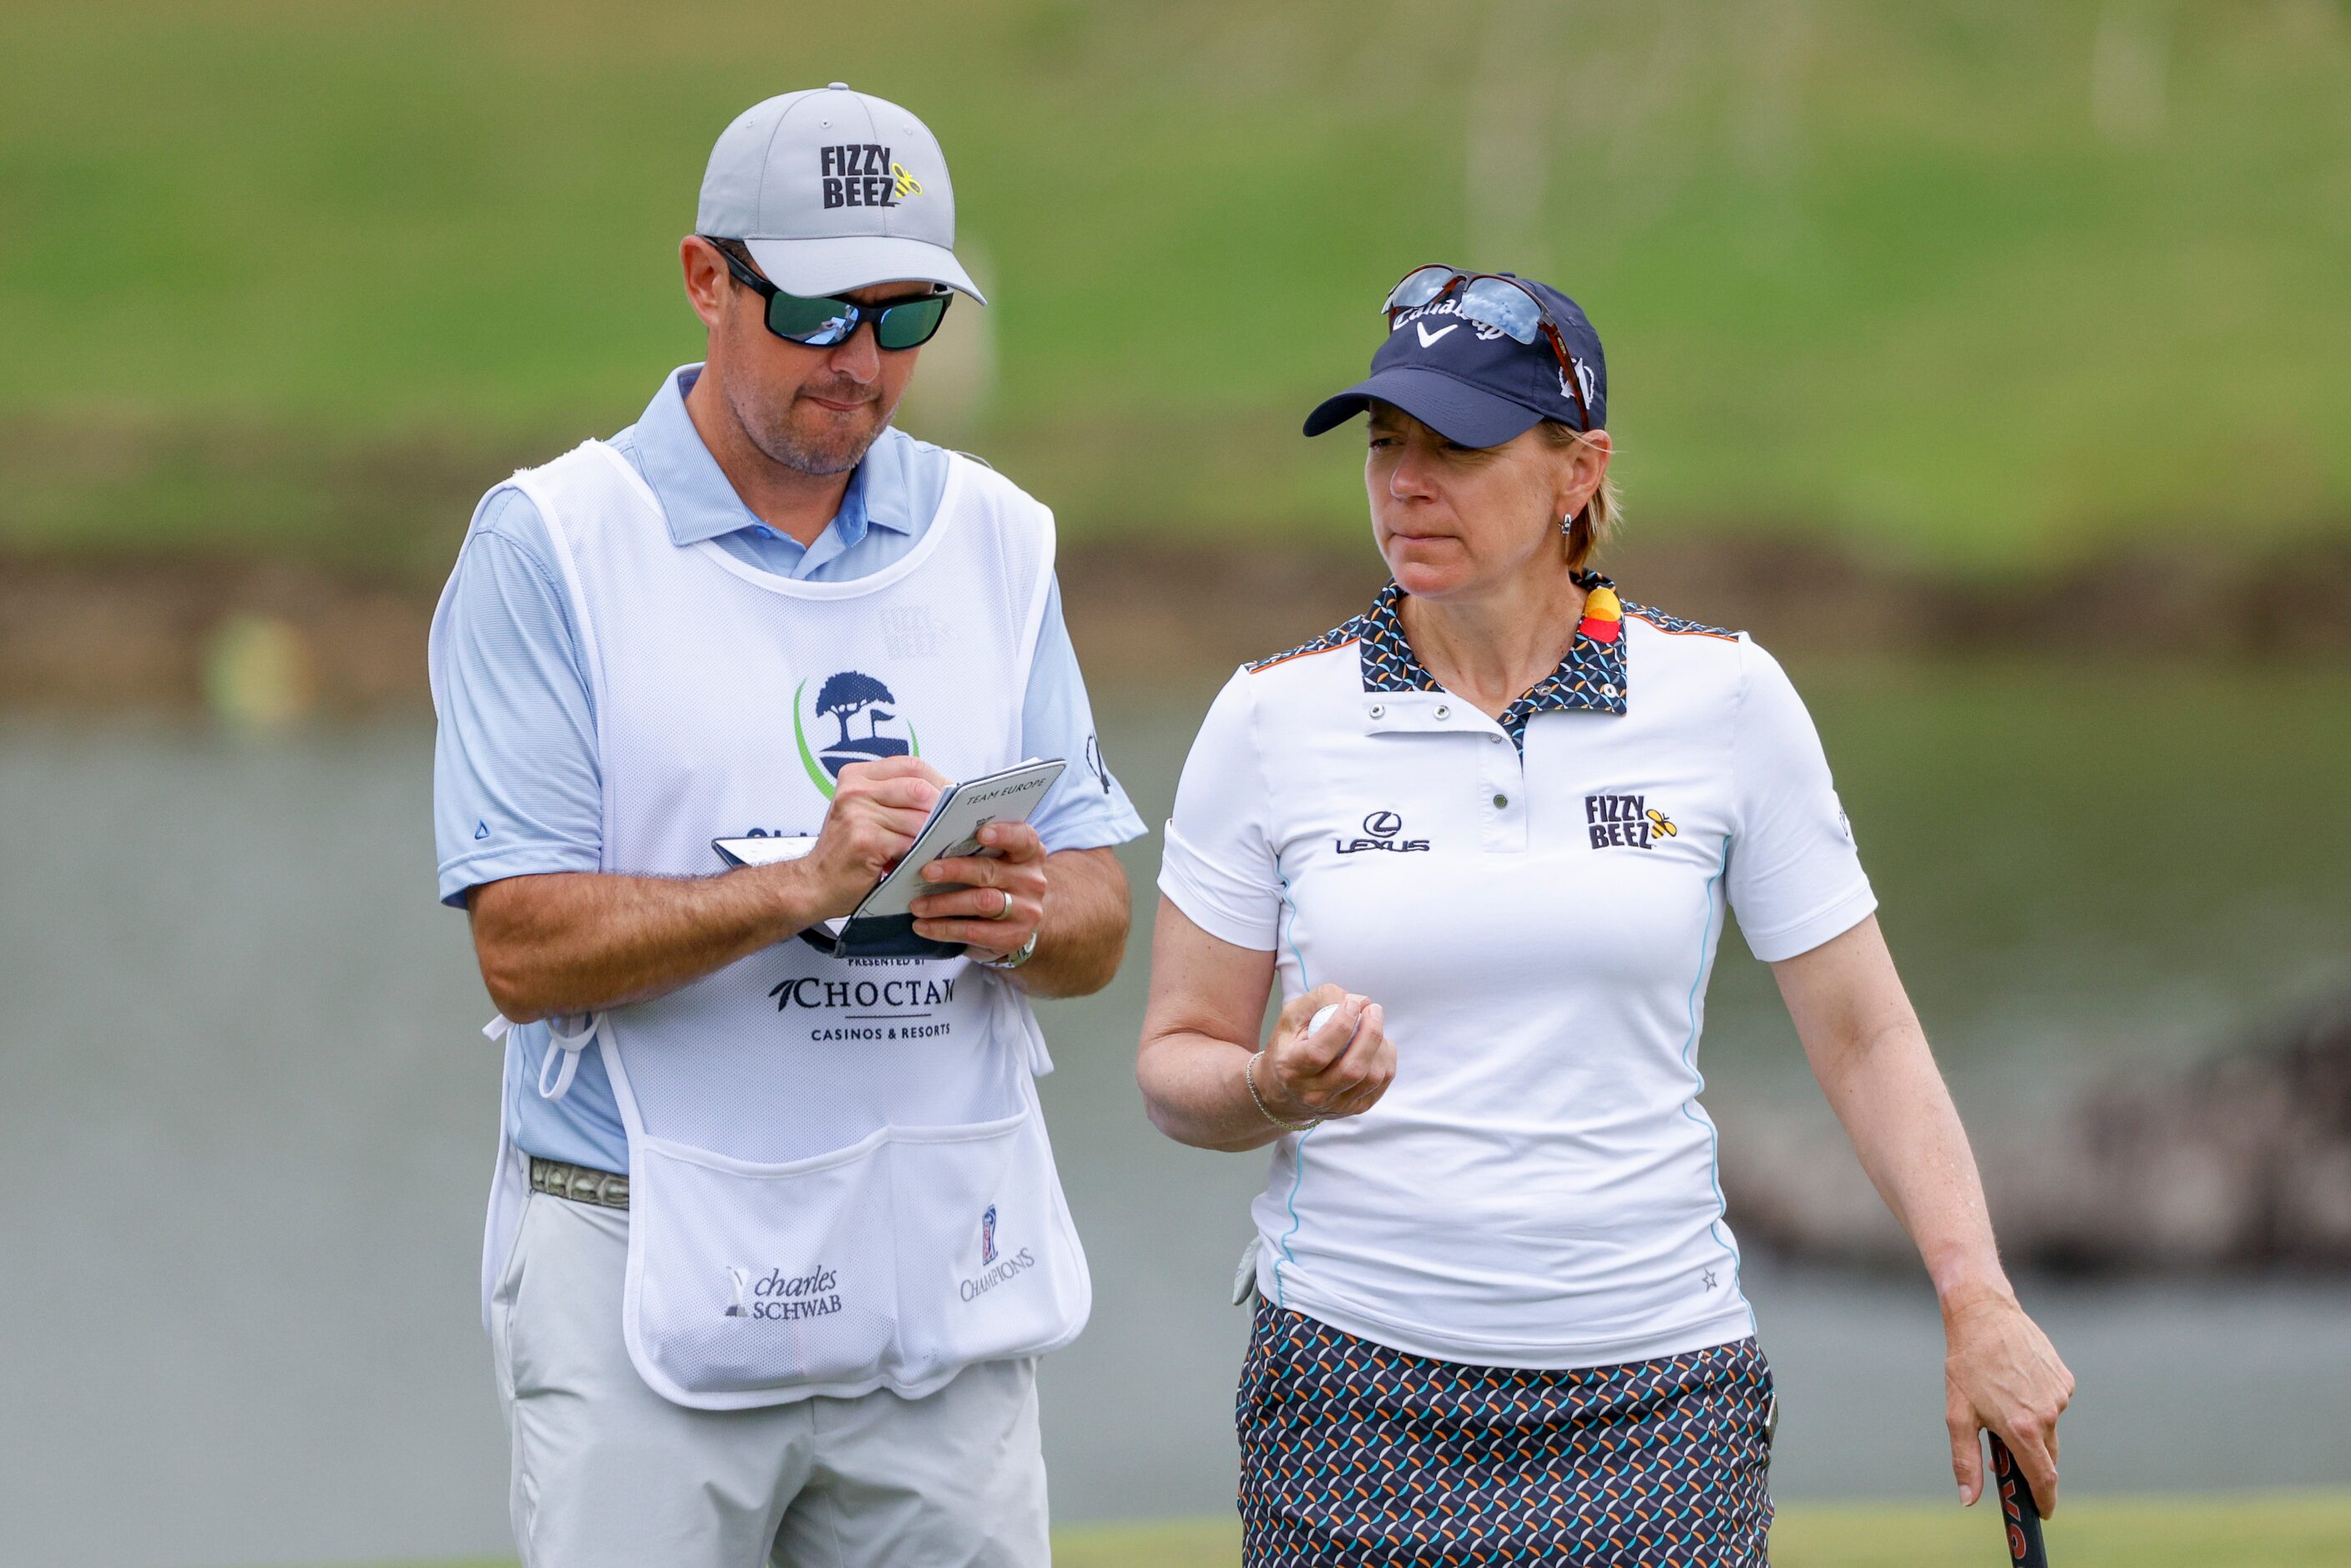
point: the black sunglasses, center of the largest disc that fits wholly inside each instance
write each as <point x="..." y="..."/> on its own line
<point x="829" y="322"/>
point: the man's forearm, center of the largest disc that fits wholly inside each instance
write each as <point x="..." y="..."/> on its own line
<point x="1083" y="936"/>
<point x="574" y="942"/>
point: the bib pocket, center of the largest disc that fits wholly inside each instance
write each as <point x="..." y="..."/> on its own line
<point x="988" y="1260"/>
<point x="898" y="1261"/>
<point x="747" y="1278"/>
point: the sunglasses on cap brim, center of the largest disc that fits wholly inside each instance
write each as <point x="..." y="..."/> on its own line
<point x="828" y="321"/>
<point x="1490" y="299"/>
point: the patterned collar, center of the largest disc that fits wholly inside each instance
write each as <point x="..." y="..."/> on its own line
<point x="1590" y="678"/>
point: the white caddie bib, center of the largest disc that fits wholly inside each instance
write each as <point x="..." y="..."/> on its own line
<point x="839" y="1177"/>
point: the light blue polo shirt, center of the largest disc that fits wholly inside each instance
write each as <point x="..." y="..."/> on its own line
<point x="517" y="789"/>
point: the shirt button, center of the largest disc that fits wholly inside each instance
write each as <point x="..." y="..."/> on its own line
<point x="1378" y="711"/>
<point x="1494" y="737"/>
<point x="1502" y="799"/>
<point x="1608" y="691"/>
<point x="1444" y="712"/>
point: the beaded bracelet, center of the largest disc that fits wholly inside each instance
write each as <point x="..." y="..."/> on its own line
<point x="1248" y="1076"/>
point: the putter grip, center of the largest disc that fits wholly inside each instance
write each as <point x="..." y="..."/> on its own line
<point x="2020" y="1516"/>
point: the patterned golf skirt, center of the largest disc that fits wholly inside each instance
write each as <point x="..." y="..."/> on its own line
<point x="1353" y="1453"/>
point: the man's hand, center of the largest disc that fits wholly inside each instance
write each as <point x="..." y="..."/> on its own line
<point x="1002" y="902"/>
<point x="2002" y="1372"/>
<point x="875" y="814"/>
<point x="1341" y="1069"/>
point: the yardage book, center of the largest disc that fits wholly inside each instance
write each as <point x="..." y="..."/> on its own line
<point x="881" y="925"/>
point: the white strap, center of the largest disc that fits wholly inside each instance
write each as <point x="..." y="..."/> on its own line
<point x="497" y="1027"/>
<point x="1245" y="1276"/>
<point x="567" y="1047"/>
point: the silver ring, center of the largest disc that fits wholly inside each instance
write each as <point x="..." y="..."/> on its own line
<point x="1005" y="912"/>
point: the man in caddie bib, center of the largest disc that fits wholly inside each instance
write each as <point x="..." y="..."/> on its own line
<point x="775" y="1239"/>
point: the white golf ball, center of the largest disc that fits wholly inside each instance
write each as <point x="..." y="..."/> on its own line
<point x="1322" y="1015"/>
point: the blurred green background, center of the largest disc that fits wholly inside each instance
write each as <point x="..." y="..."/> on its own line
<point x="1981" y="287"/>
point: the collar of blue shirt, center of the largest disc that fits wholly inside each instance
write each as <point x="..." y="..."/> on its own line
<point x="701" y="503"/>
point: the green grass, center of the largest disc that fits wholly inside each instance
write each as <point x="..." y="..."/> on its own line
<point x="2282" y="1531"/>
<point x="276" y="273"/>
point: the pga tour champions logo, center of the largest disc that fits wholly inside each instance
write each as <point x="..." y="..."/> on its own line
<point x="856" y="707"/>
<point x="995" y="1268"/>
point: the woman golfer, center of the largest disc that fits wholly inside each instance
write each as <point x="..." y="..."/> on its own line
<point x="1497" y="819"/>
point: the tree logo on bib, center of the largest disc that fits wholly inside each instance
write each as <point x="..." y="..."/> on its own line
<point x="849" y="699"/>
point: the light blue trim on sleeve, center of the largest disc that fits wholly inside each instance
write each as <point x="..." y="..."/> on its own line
<point x="1708" y="937"/>
<point x="1298" y="1153"/>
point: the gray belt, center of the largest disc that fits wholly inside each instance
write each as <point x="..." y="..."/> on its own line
<point x="580" y="1184"/>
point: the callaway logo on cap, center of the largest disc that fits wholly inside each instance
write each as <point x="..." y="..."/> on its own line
<point x="834" y="190"/>
<point x="1471" y="382"/>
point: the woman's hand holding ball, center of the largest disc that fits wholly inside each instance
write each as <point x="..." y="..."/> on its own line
<point x="1330" y="1057"/>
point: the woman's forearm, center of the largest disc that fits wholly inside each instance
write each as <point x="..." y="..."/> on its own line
<point x="1194" y="1088"/>
<point x="1199" y="1050"/>
<point x="1898" y="1112"/>
<point x="2000" y="1371"/>
<point x="1871" y="1056"/>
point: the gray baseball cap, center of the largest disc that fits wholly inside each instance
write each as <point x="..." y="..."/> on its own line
<point x="834" y="190"/>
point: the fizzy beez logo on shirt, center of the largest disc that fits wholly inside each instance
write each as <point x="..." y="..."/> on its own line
<point x="1626" y="821"/>
<point x="861" y="174"/>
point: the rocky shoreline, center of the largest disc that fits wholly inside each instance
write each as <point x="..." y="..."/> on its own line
<point x="2240" y="1164"/>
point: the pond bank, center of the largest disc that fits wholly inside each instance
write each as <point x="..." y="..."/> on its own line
<point x="177" y="632"/>
<point x="2240" y="1163"/>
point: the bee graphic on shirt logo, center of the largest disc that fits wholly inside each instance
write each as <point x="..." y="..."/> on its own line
<point x="1626" y="822"/>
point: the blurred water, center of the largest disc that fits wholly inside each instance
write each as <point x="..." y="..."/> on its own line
<point x="247" y="1119"/>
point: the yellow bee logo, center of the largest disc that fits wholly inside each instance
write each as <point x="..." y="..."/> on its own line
<point x="1663" y="823"/>
<point x="907" y="185"/>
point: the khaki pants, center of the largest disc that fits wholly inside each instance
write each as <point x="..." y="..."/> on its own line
<point x="607" y="1472"/>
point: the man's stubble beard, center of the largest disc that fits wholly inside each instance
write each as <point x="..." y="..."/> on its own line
<point x="773" y="434"/>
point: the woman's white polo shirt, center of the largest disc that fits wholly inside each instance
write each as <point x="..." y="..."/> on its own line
<point x="1537" y="904"/>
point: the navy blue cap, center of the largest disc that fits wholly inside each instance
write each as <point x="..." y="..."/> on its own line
<point x="1473" y="384"/>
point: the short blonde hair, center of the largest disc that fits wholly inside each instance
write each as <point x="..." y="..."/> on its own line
<point x="1602" y="516"/>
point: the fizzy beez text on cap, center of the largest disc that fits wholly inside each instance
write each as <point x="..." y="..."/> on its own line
<point x="834" y="190"/>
